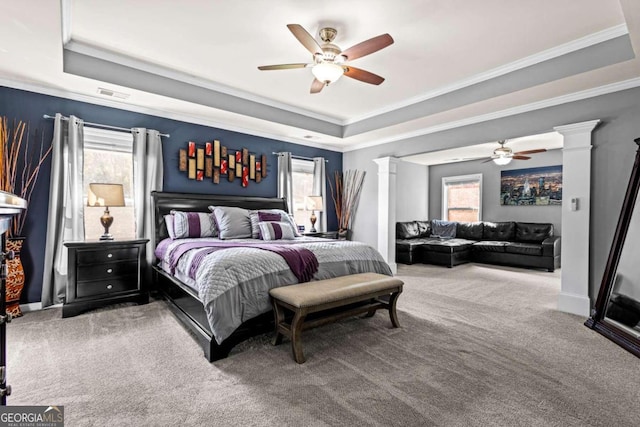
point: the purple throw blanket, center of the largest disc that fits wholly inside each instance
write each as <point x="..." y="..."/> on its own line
<point x="302" y="262"/>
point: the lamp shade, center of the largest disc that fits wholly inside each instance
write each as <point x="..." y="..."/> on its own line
<point x="105" y="195"/>
<point x="314" y="203"/>
<point x="502" y="160"/>
<point x="327" y="72"/>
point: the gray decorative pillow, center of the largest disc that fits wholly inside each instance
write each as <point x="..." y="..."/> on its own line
<point x="282" y="216"/>
<point x="276" y="230"/>
<point x="181" y="225"/>
<point x="233" y="223"/>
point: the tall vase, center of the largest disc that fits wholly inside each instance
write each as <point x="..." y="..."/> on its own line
<point x="15" y="277"/>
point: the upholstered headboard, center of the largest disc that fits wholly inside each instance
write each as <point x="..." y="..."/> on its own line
<point x="163" y="203"/>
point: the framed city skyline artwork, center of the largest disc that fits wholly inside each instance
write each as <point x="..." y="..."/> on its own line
<point x="540" y="186"/>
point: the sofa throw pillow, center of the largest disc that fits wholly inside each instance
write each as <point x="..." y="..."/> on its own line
<point x="407" y="230"/>
<point x="269" y="215"/>
<point x="424" y="228"/>
<point x="273" y="230"/>
<point x="192" y="224"/>
<point x="443" y="229"/>
<point x="232" y="222"/>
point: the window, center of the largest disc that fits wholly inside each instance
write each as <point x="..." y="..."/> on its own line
<point x="462" y="198"/>
<point x="108" y="158"/>
<point x="302" y="177"/>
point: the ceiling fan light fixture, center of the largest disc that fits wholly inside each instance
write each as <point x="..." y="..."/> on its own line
<point x="502" y="160"/>
<point x="327" y="72"/>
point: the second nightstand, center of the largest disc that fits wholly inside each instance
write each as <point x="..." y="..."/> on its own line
<point x="105" y="272"/>
<point x="323" y="234"/>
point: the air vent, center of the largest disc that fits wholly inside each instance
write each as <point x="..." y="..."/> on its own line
<point x="113" y="93"/>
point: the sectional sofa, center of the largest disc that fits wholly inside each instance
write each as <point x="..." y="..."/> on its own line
<point x="521" y="244"/>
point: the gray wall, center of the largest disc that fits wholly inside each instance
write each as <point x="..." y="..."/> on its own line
<point x="412" y="197"/>
<point x="612" y="159"/>
<point x="491" y="208"/>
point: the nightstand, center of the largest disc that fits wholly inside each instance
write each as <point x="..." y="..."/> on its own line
<point x="323" y="234"/>
<point x="105" y="272"/>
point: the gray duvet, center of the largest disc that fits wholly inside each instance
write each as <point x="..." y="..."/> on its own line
<point x="233" y="284"/>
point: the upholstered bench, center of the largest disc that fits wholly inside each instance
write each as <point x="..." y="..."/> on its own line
<point x="331" y="300"/>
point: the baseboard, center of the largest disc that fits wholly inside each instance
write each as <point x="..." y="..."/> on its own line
<point x="32" y="306"/>
<point x="394" y="267"/>
<point x="36" y="306"/>
<point x="574" y="304"/>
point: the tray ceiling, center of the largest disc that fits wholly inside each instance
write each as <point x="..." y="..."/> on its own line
<point x="451" y="61"/>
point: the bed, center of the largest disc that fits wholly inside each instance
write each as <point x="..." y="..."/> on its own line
<point x="223" y="298"/>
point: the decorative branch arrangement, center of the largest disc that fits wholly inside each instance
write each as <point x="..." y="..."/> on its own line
<point x="346" y="196"/>
<point x="19" y="165"/>
<point x="214" y="160"/>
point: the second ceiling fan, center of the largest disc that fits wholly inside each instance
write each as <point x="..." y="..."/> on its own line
<point x="504" y="155"/>
<point x="329" y="61"/>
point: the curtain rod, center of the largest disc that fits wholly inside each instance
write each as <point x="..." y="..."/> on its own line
<point x="298" y="157"/>
<point x="46" y="116"/>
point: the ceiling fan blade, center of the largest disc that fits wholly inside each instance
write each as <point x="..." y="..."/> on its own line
<point x="520" y="157"/>
<point x="362" y="75"/>
<point x="316" y="86"/>
<point x="305" y="38"/>
<point x="367" y="47"/>
<point x="540" y="150"/>
<point x="281" y="66"/>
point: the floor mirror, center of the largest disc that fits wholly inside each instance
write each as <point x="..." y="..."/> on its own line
<point x="617" y="311"/>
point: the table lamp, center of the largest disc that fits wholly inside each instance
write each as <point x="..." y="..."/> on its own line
<point x="106" y="195"/>
<point x="314" y="203"/>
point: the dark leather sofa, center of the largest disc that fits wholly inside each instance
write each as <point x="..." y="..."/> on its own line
<point x="521" y="244"/>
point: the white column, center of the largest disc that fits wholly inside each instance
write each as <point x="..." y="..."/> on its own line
<point x="387" y="170"/>
<point x="576" y="205"/>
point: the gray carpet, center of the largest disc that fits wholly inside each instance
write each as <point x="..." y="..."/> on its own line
<point x="480" y="346"/>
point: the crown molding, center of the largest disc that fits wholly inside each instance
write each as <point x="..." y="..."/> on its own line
<point x="127" y="61"/>
<point x="551" y="102"/>
<point x="66" y="8"/>
<point x="32" y="87"/>
<point x="555" y="52"/>
<point x="577" y="128"/>
<point x="577" y="96"/>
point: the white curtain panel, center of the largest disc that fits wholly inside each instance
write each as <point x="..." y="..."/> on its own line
<point x="319" y="188"/>
<point x="285" y="179"/>
<point x="66" y="207"/>
<point x="147" y="177"/>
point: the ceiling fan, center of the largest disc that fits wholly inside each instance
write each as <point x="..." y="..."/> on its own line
<point x="329" y="61"/>
<point x="504" y="155"/>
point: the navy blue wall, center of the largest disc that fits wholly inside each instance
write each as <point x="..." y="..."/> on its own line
<point x="30" y="107"/>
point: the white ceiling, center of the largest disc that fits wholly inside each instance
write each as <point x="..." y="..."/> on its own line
<point x="441" y="49"/>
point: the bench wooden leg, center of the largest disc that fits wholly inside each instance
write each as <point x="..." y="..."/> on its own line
<point x="296" y="336"/>
<point x="279" y="318"/>
<point x="392" y="309"/>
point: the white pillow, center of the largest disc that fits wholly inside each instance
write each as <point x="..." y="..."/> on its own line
<point x="168" y="221"/>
